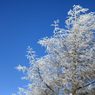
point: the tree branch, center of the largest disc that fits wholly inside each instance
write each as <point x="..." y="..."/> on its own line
<point x="46" y="83"/>
<point x="85" y="85"/>
<point x="87" y="90"/>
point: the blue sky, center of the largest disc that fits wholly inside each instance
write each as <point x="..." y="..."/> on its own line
<point x="22" y="24"/>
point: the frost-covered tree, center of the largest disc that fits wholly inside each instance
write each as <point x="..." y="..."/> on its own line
<point x="68" y="68"/>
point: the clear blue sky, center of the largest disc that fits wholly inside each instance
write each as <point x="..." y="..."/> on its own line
<point x="22" y="24"/>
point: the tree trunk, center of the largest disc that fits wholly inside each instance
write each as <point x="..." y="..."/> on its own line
<point x="74" y="92"/>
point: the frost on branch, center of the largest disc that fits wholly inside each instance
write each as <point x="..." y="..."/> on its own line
<point x="68" y="68"/>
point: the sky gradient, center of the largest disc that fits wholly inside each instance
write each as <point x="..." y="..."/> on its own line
<point x="22" y="24"/>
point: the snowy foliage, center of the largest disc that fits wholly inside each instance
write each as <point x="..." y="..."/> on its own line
<point x="69" y="66"/>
